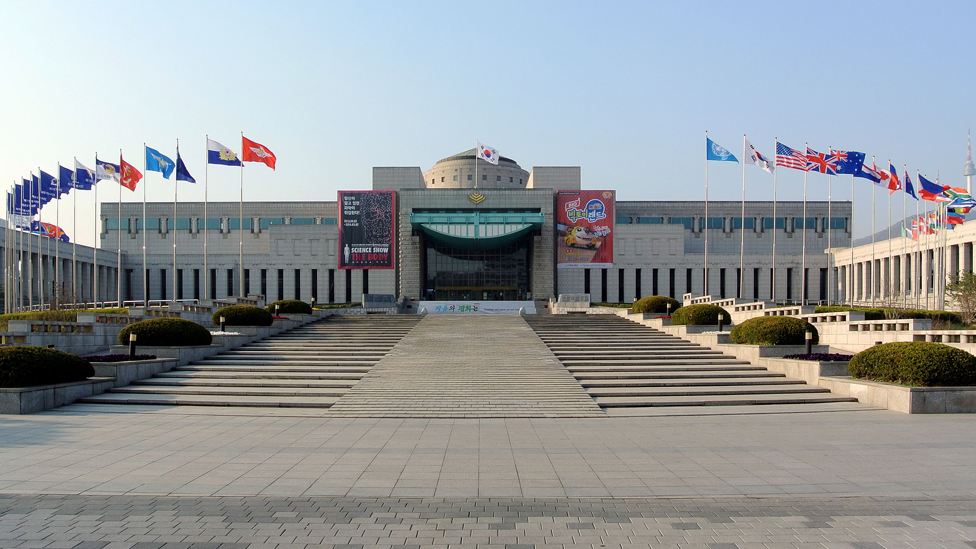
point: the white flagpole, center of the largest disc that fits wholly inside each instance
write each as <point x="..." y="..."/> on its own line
<point x="918" y="259"/>
<point x="145" y="267"/>
<point x="119" y="259"/>
<point x="176" y="189"/>
<point x="40" y="246"/>
<point x="851" y="274"/>
<point x="904" y="217"/>
<point x="30" y="245"/>
<point x="57" y="241"/>
<point x="206" y="222"/>
<point x="74" y="237"/>
<point x="742" y="222"/>
<point x="240" y="222"/>
<point x="477" y="151"/>
<point x="830" y="255"/>
<point x="6" y="256"/>
<point x="803" y="257"/>
<point x="98" y="233"/>
<point x="874" y="217"/>
<point x="705" y="271"/>
<point x="772" y="288"/>
<point x="890" y="262"/>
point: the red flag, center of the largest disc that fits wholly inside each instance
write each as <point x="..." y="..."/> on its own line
<point x="130" y="175"/>
<point x="256" y="152"/>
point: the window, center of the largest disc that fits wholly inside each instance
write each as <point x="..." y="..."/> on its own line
<point x="469" y="177"/>
<point x="213" y="224"/>
<point x="329" y="221"/>
<point x="737" y="222"/>
<point x="315" y="284"/>
<point x="823" y="284"/>
<point x="365" y="281"/>
<point x="162" y="284"/>
<point x="811" y="223"/>
<point x="520" y="181"/>
<point x="511" y="179"/>
<point x="603" y="285"/>
<point x="331" y="285"/>
<point x="196" y="283"/>
<point x="620" y="286"/>
<point x="266" y="222"/>
<point x="247" y="281"/>
<point x="688" y="222"/>
<point x="235" y="223"/>
<point x="767" y="223"/>
<point x="755" y="283"/>
<point x="152" y="224"/>
<point x="298" y="283"/>
<point x="721" y="283"/>
<point x="264" y="282"/>
<point x="789" y="283"/>
<point x="650" y="220"/>
<point x="498" y="178"/>
<point x="838" y="223"/>
<point x="623" y="220"/>
<point x="348" y="286"/>
<point x="688" y="281"/>
<point x="671" y="283"/>
<point x="303" y="221"/>
<point x="113" y="224"/>
<point x="455" y="178"/>
<point x="716" y="222"/>
<point x="653" y="282"/>
<point x="148" y="284"/>
<point x="484" y="177"/>
<point x="637" y="283"/>
<point x="179" y="283"/>
<point x="182" y="224"/>
<point x="442" y="179"/>
<point x="586" y="281"/>
<point x="230" y="282"/>
<point x="213" y="284"/>
<point x="281" y="284"/>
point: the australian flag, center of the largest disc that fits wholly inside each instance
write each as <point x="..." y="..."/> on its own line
<point x="847" y="162"/>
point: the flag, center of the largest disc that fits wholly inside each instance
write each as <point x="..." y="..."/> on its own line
<point x="870" y="173"/>
<point x="256" y="152"/>
<point x="488" y="154"/>
<point x="49" y="230"/>
<point x="848" y="162"/>
<point x="953" y="218"/>
<point x="84" y="177"/>
<point x="933" y="192"/>
<point x="159" y="162"/>
<point x="219" y="154"/>
<point x="130" y="175"/>
<point x="49" y="187"/>
<point x="962" y="204"/>
<point x="714" y="151"/>
<point x="957" y="192"/>
<point x="894" y="184"/>
<point x="65" y="176"/>
<point x="182" y="174"/>
<point x="820" y="162"/>
<point x="754" y="157"/>
<point x="790" y="158"/>
<point x="106" y="170"/>
<point x="909" y="189"/>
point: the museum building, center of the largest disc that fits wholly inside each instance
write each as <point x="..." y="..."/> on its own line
<point x="468" y="230"/>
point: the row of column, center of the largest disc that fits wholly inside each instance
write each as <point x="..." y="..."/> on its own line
<point x="60" y="285"/>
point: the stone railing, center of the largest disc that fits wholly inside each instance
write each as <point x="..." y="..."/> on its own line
<point x="794" y="310"/>
<point x="571" y="303"/>
<point x="840" y="316"/>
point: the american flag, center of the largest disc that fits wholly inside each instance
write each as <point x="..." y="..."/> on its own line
<point x="790" y="158"/>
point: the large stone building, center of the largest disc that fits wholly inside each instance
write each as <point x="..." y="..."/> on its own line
<point x="474" y="232"/>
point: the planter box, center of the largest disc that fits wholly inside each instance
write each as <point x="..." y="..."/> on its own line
<point x="183" y="355"/>
<point x="908" y="400"/>
<point x="126" y="372"/>
<point x="29" y="400"/>
<point x="809" y="371"/>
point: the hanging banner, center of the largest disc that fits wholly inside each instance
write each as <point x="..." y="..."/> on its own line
<point x="366" y="229"/>
<point x="584" y="229"/>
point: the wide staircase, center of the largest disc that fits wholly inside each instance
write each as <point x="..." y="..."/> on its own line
<point x="307" y="367"/>
<point x="631" y="369"/>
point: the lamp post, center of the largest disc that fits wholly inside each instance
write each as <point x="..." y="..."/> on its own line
<point x="223" y="323"/>
<point x="132" y="345"/>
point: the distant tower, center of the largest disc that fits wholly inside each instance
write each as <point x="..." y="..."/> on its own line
<point x="970" y="170"/>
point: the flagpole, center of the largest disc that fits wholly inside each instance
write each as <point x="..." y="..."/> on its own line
<point x="240" y="222"/>
<point x="6" y="256"/>
<point x="176" y="190"/>
<point x="74" y="232"/>
<point x="803" y="258"/>
<point x="206" y="222"/>
<point x="705" y="270"/>
<point x="918" y="249"/>
<point x="830" y="240"/>
<point x="851" y="275"/>
<point x="98" y="233"/>
<point x="742" y="222"/>
<point x="890" y="262"/>
<point x="145" y="266"/>
<point x="772" y="289"/>
<point x="57" y="241"/>
<point x="477" y="150"/>
<point x="874" y="217"/>
<point x="30" y="245"/>
<point x="119" y="259"/>
<point x="904" y="216"/>
<point x="40" y="245"/>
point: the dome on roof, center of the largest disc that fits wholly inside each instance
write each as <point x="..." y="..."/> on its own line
<point x="470" y="154"/>
<point x="461" y="171"/>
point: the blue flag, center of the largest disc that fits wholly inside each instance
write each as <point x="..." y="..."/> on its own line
<point x="65" y="176"/>
<point x="49" y="187"/>
<point x="714" y="151"/>
<point x="848" y="162"/>
<point x="159" y="162"/>
<point x="182" y="174"/>
<point x="909" y="189"/>
<point x="84" y="177"/>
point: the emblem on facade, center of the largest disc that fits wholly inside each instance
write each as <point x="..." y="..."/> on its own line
<point x="476" y="198"/>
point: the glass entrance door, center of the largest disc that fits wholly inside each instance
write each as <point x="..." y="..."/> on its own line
<point x="501" y="274"/>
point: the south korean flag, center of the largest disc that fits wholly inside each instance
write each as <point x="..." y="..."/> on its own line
<point x="488" y="154"/>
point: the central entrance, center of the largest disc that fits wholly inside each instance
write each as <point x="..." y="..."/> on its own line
<point x="453" y="274"/>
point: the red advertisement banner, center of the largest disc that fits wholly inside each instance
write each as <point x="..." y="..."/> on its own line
<point x="584" y="229"/>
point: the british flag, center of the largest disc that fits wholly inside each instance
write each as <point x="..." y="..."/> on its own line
<point x="790" y="158"/>
<point x="820" y="162"/>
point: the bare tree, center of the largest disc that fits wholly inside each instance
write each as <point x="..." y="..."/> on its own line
<point x="962" y="291"/>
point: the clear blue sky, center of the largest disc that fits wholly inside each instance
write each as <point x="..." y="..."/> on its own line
<point x="625" y="90"/>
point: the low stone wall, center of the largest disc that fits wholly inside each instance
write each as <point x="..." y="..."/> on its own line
<point x="124" y="373"/>
<point x="29" y="400"/>
<point x="810" y="371"/>
<point x="909" y="400"/>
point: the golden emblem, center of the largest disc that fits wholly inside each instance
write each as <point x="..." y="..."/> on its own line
<point x="476" y="198"/>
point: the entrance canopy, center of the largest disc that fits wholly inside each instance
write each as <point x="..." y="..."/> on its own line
<point x="477" y="230"/>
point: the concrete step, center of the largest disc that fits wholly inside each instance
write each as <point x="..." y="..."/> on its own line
<point x="686" y="382"/>
<point x="232" y="374"/>
<point x="209" y="400"/>
<point x="253" y="382"/>
<point x="705" y="390"/>
<point x="230" y="391"/>
<point x="721" y="400"/>
<point x="681" y="374"/>
<point x="655" y="368"/>
<point x="267" y="368"/>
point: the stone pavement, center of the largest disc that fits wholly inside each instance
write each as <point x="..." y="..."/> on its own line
<point x="468" y="366"/>
<point x="139" y="522"/>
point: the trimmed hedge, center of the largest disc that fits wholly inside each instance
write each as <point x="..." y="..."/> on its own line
<point x="166" y="332"/>
<point x="290" y="306"/>
<point x="917" y="363"/>
<point x="700" y="315"/>
<point x="656" y="304"/>
<point x="243" y="315"/>
<point x="26" y="366"/>
<point x="878" y="313"/>
<point x="773" y="330"/>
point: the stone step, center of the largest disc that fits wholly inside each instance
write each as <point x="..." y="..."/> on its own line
<point x="238" y="361"/>
<point x="654" y="368"/>
<point x="687" y="382"/>
<point x="664" y="361"/>
<point x="209" y="400"/>
<point x="235" y="374"/>
<point x="742" y="409"/>
<point x="721" y="400"/>
<point x="230" y="391"/>
<point x="705" y="390"/>
<point x="266" y="368"/>
<point x="679" y="374"/>
<point x="246" y="354"/>
<point x="253" y="382"/>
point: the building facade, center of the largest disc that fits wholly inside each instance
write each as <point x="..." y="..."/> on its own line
<point x="468" y="230"/>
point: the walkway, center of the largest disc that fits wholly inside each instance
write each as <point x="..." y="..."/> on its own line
<point x="468" y="366"/>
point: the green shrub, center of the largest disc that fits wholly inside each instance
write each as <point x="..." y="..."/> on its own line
<point x="65" y="315"/>
<point x="699" y="315"/>
<point x="290" y="306"/>
<point x="773" y="330"/>
<point x="166" y="332"/>
<point x="917" y="363"/>
<point x="243" y="315"/>
<point x="26" y="366"/>
<point x="656" y="304"/>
